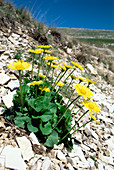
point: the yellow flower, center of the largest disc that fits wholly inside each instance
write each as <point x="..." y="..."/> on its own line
<point x="55" y="62"/>
<point x="50" y="58"/>
<point x="77" y="65"/>
<point x="47" y="63"/>
<point x="60" y="84"/>
<point x="90" y="81"/>
<point x="93" y="118"/>
<point x="46" y="89"/>
<point x="36" y="83"/>
<point x="63" y="68"/>
<point x="91" y="106"/>
<point x="68" y="66"/>
<point x="83" y="91"/>
<point x="19" y="65"/>
<point x="47" y="51"/>
<point x="42" y="76"/>
<point x="73" y="77"/>
<point x="80" y="78"/>
<point x="54" y="66"/>
<point x="36" y="51"/>
<point x="44" y="46"/>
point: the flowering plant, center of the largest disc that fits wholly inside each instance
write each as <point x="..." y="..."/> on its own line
<point x="38" y="105"/>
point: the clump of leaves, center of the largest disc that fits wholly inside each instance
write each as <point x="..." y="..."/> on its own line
<point x="38" y="106"/>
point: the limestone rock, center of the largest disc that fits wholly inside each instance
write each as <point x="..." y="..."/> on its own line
<point x="26" y="148"/>
<point x="70" y="166"/>
<point x="34" y="139"/>
<point x="46" y="164"/>
<point x="13" y="84"/>
<point x="106" y="159"/>
<point x="4" y="78"/>
<point x="77" y="151"/>
<point x="7" y="99"/>
<point x="91" y="69"/>
<point x="13" y="158"/>
<point x="61" y="156"/>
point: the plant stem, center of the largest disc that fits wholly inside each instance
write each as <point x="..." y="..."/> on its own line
<point x="43" y="63"/>
<point x="69" y="75"/>
<point x="66" y="111"/>
<point x="82" y="126"/>
<point x="32" y="66"/>
<point x="77" y="111"/>
<point x="70" y="97"/>
<point x="76" y="129"/>
<point x="52" y="75"/>
<point x="57" y="81"/>
<point x="48" y="69"/>
<point x="39" y="66"/>
<point x="66" y="91"/>
<point x="21" y="90"/>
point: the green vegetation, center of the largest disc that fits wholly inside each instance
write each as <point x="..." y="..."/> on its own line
<point x="38" y="106"/>
<point x="99" y="38"/>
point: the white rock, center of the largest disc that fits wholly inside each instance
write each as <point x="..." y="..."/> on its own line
<point x="106" y="159"/>
<point x="61" y="156"/>
<point x="73" y="161"/>
<point x="91" y="162"/>
<point x="46" y="164"/>
<point x="77" y="151"/>
<point x="39" y="164"/>
<point x="1" y="110"/>
<point x="26" y="148"/>
<point x="4" y="78"/>
<point x="91" y="69"/>
<point x="110" y="143"/>
<point x="100" y="166"/>
<point x="7" y="99"/>
<point x="94" y="134"/>
<point x="109" y="168"/>
<point x="69" y="50"/>
<point x="13" y="84"/>
<point x="88" y="130"/>
<point x="70" y="166"/>
<point x="83" y="164"/>
<point x="13" y="158"/>
<point x="3" y="91"/>
<point x="4" y="57"/>
<point x="15" y="36"/>
<point x="34" y="139"/>
<point x="60" y="147"/>
<point x="11" y="39"/>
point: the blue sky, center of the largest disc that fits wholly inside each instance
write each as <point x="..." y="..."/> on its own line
<point x="93" y="14"/>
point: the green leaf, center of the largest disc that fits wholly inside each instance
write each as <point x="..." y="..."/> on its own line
<point x="25" y="118"/>
<point x="19" y="113"/>
<point x="47" y="128"/>
<point x="31" y="128"/>
<point x="35" y="105"/>
<point x="52" y="139"/>
<point x="25" y="89"/>
<point x="39" y="103"/>
<point x="19" y="123"/>
<point x="52" y="108"/>
<point x="45" y="118"/>
<point x="25" y="109"/>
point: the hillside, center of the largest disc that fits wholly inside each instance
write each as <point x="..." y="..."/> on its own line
<point x="23" y="149"/>
<point x="98" y="38"/>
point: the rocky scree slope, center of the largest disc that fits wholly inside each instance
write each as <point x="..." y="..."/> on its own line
<point x="93" y="145"/>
